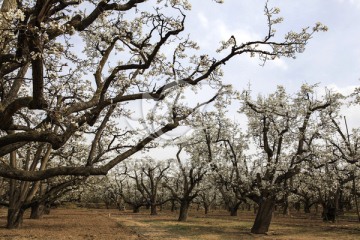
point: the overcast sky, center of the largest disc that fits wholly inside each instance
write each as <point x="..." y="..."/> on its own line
<point x="331" y="58"/>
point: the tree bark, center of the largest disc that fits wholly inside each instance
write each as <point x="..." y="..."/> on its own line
<point x="37" y="211"/>
<point x="15" y="218"/>
<point x="16" y="200"/>
<point x="264" y="216"/>
<point x="184" y="208"/>
<point x="153" y="210"/>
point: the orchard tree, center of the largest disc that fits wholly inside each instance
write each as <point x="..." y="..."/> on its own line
<point x="24" y="194"/>
<point x="184" y="183"/>
<point x="231" y="167"/>
<point x="148" y="176"/>
<point x="130" y="194"/>
<point x="305" y="188"/>
<point x="285" y="130"/>
<point x="208" y="195"/>
<point x="226" y="146"/>
<point x="344" y="145"/>
<point x="70" y="62"/>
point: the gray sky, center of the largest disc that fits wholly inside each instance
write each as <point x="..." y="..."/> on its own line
<point x="331" y="58"/>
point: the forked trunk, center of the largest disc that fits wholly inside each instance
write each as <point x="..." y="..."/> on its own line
<point x="263" y="216"/>
<point x="184" y="208"/>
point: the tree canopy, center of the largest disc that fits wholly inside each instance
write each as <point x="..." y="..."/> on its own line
<point x="71" y="69"/>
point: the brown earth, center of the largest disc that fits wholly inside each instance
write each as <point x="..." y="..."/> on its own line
<point x="68" y="224"/>
<point x="218" y="225"/>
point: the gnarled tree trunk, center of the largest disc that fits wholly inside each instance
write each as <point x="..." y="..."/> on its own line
<point x="184" y="209"/>
<point x="264" y="215"/>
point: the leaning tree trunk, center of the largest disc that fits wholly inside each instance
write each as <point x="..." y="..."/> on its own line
<point x="184" y="209"/>
<point x="264" y="216"/>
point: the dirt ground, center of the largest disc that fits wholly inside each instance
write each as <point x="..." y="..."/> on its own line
<point x="114" y="224"/>
<point x="68" y="224"/>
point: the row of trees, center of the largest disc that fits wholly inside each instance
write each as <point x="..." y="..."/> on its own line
<point x="295" y="149"/>
<point x="71" y="71"/>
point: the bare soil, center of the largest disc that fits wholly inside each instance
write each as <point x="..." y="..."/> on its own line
<point x="114" y="224"/>
<point x="68" y="224"/>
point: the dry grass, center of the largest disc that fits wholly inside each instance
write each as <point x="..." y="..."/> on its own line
<point x="218" y="225"/>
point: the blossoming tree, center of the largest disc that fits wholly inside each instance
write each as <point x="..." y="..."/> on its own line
<point x="79" y="65"/>
<point x="286" y="130"/>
